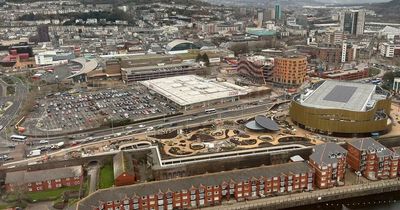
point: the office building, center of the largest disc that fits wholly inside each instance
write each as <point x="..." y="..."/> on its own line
<point x="290" y="71"/>
<point x="257" y="69"/>
<point x="260" y="19"/>
<point x="352" y="22"/>
<point x="278" y="12"/>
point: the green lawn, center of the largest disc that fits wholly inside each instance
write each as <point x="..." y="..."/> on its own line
<point x="373" y="72"/>
<point x="42" y="195"/>
<point x="50" y="194"/>
<point x="106" y="176"/>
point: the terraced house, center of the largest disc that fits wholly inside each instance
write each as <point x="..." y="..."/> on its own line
<point x="41" y="180"/>
<point x="204" y="190"/>
<point x="329" y="162"/>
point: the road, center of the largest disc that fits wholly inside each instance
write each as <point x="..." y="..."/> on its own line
<point x="21" y="91"/>
<point x="106" y="136"/>
<point x="182" y="120"/>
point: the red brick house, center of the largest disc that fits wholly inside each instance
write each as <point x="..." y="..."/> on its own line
<point x="124" y="173"/>
<point x="329" y="163"/>
<point x="41" y="180"/>
<point x="204" y="190"/>
<point x="372" y="159"/>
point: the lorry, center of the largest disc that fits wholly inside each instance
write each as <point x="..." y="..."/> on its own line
<point x="34" y="153"/>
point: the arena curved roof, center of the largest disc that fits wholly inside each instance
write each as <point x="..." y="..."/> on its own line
<point x="177" y="42"/>
<point x="87" y="66"/>
<point x="261" y="123"/>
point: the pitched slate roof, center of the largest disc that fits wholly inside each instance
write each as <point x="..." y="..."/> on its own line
<point x="122" y="163"/>
<point x="324" y="154"/>
<point x="178" y="184"/>
<point x="370" y="145"/>
<point x="23" y="177"/>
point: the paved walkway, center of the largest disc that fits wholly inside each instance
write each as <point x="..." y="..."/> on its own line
<point x="93" y="173"/>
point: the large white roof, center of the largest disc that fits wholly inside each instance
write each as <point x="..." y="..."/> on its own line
<point x="176" y="42"/>
<point x="190" y="89"/>
<point x="340" y="95"/>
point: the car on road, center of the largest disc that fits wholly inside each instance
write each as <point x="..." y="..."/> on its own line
<point x="141" y="126"/>
<point x="43" y="142"/>
<point x="150" y="128"/>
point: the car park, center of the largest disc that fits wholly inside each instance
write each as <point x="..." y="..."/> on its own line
<point x="85" y="110"/>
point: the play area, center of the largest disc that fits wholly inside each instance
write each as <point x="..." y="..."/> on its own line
<point x="222" y="136"/>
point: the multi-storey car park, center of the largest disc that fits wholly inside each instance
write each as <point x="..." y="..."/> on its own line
<point x="342" y="108"/>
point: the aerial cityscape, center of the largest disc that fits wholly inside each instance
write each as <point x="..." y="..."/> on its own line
<point x="200" y="104"/>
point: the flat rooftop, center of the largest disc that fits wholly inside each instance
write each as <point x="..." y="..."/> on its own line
<point x="340" y="95"/>
<point x="152" y="68"/>
<point x="190" y="89"/>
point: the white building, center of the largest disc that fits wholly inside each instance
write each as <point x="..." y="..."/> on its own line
<point x="387" y="50"/>
<point x="344" y="52"/>
<point x="52" y="58"/>
<point x="191" y="91"/>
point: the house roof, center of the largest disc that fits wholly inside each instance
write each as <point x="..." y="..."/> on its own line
<point x="43" y="175"/>
<point x="370" y="145"/>
<point x="122" y="163"/>
<point x="324" y="154"/>
<point x="178" y="184"/>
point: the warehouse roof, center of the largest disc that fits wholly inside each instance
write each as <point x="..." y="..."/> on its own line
<point x="190" y="89"/>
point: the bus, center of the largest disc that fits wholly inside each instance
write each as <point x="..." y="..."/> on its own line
<point x="18" y="138"/>
<point x="210" y="111"/>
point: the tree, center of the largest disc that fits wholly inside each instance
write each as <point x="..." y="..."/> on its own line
<point x="199" y="58"/>
<point x="205" y="59"/>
